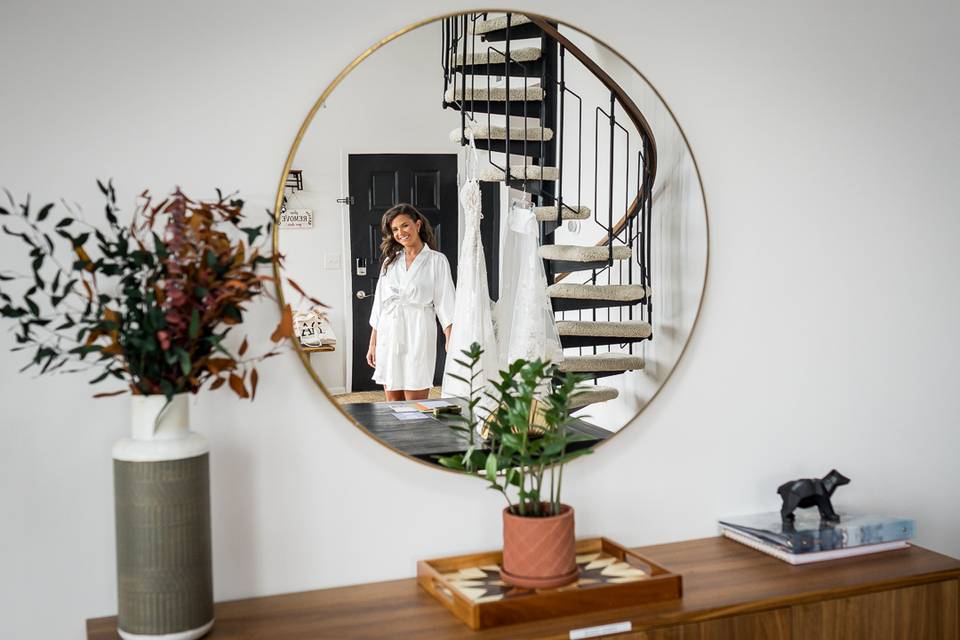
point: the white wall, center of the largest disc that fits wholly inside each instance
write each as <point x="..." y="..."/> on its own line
<point x="826" y="135"/>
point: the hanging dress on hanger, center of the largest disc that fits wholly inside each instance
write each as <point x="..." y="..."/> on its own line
<point x="473" y="317"/>
<point x="523" y="316"/>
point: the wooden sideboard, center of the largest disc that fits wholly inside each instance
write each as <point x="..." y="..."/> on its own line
<point x="731" y="592"/>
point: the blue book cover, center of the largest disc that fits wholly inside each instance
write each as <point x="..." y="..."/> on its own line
<point x="808" y="534"/>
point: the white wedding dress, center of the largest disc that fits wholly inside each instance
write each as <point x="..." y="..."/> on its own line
<point x="473" y="317"/>
<point x="523" y="317"/>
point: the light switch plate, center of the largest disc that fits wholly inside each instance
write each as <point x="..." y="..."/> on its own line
<point x="331" y="261"/>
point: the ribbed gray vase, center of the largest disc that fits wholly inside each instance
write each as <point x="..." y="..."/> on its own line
<point x="162" y="500"/>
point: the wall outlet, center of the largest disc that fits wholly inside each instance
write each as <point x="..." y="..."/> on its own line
<point x="332" y="261"/>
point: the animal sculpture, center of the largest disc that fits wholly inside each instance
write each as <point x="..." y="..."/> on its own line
<point x="811" y="492"/>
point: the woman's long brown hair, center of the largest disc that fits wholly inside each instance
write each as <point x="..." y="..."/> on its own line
<point x="389" y="247"/>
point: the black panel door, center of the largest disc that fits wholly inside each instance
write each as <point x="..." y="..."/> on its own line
<point x="377" y="182"/>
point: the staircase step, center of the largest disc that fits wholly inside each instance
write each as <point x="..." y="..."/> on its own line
<point x="549" y="214"/>
<point x="571" y="296"/>
<point x="518" y="172"/>
<point x="483" y="58"/>
<point x="604" y="328"/>
<point x="579" y="253"/>
<point x="495" y="139"/>
<point x="626" y="293"/>
<point x="522" y="108"/>
<point x="592" y="394"/>
<point x="589" y="333"/>
<point x="482" y="132"/>
<point x="477" y="93"/>
<point x="520" y="29"/>
<point x="482" y="27"/>
<point x="601" y="363"/>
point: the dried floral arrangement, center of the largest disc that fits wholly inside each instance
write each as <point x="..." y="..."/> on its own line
<point x="150" y="303"/>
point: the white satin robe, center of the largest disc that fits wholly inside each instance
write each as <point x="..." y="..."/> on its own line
<point x="404" y="307"/>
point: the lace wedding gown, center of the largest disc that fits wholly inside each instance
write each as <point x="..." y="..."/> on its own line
<point x="472" y="320"/>
<point x="523" y="317"/>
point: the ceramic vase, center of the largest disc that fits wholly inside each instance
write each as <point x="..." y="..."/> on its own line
<point x="539" y="553"/>
<point x="162" y="505"/>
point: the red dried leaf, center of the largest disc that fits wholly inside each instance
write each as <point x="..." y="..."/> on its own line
<point x="216" y="365"/>
<point x="236" y="383"/>
<point x="243" y="347"/>
<point x="238" y="284"/>
<point x="217" y="383"/>
<point x="82" y="255"/>
<point x="113" y="349"/>
<point x="254" y="378"/>
<point x="303" y="293"/>
<point x="86" y="286"/>
<point x="285" y="328"/>
<point x="107" y="394"/>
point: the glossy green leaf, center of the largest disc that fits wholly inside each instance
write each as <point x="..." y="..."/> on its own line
<point x="491" y="466"/>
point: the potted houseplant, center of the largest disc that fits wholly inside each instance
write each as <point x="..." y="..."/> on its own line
<point x="150" y="304"/>
<point x="526" y="443"/>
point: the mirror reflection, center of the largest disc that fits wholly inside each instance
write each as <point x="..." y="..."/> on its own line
<point x="500" y="179"/>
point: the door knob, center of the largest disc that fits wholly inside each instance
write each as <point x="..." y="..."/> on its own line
<point x="361" y="295"/>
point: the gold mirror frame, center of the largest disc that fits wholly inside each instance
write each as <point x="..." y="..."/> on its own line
<point x="304" y="356"/>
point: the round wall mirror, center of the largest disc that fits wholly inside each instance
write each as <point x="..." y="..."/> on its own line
<point x="482" y="169"/>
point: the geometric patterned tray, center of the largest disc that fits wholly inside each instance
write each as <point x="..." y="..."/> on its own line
<point x="611" y="576"/>
<point x="483" y="583"/>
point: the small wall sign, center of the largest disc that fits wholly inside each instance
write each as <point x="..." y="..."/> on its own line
<point x="296" y="219"/>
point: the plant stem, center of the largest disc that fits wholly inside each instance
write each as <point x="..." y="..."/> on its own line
<point x="559" y="483"/>
<point x="553" y="489"/>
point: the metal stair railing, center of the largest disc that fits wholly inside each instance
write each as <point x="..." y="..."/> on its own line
<point x="633" y="228"/>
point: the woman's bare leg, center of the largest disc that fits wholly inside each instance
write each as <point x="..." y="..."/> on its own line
<point x="393" y="396"/>
<point x="416" y="394"/>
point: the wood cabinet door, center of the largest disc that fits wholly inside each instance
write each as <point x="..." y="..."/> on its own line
<point x="924" y="612"/>
<point x="768" y="625"/>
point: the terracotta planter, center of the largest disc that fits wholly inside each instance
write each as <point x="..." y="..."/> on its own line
<point x="539" y="553"/>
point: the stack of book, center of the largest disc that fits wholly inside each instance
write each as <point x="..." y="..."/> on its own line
<point x="808" y="539"/>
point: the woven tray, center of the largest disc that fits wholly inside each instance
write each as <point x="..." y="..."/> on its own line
<point x="611" y="576"/>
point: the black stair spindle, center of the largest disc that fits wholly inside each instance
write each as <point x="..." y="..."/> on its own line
<point x="610" y="194"/>
<point x="470" y="37"/>
<point x="463" y="87"/>
<point x="506" y="119"/>
<point x="548" y="120"/>
<point x="596" y="163"/>
<point x="561" y="131"/>
<point x="489" y="115"/>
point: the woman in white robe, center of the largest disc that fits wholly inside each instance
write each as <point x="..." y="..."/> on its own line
<point x="414" y="290"/>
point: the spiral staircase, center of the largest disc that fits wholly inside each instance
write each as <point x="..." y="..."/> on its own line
<point x="511" y="79"/>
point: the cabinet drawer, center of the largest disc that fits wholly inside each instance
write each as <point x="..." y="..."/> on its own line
<point x="924" y="612"/>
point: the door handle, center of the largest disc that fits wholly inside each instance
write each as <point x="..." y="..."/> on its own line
<point x="361" y="295"/>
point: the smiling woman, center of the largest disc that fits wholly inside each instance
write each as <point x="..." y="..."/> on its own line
<point x="414" y="287"/>
<point x="572" y="159"/>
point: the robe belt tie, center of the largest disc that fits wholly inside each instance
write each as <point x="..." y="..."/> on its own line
<point x="394" y="305"/>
